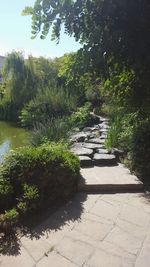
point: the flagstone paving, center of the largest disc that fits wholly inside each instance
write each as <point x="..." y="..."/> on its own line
<point x="91" y="230"/>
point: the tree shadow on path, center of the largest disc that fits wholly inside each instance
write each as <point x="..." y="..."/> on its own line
<point x="51" y="220"/>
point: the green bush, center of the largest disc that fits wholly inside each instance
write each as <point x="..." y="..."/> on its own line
<point x="82" y="117"/>
<point x="49" y="103"/>
<point x="36" y="177"/>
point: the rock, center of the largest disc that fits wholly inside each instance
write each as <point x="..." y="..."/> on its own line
<point x="85" y="161"/>
<point x="93" y="146"/>
<point x="102" y="151"/>
<point x="104" y="159"/>
<point x="81" y="151"/>
<point x="117" y="152"/>
<point x="103" y="135"/>
<point x="102" y="119"/>
<point x="103" y="131"/>
<point x="79" y="137"/>
<point x="96" y="141"/>
<point x="87" y="129"/>
<point x="104" y="126"/>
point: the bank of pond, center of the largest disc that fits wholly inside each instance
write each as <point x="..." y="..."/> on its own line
<point x="11" y="137"/>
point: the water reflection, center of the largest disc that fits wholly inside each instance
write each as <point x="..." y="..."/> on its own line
<point x="11" y="137"/>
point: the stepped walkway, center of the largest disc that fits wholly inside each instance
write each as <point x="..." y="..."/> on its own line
<point x="107" y="224"/>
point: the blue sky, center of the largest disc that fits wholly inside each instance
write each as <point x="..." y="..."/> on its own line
<point x="15" y="33"/>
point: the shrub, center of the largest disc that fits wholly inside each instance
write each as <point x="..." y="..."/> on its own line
<point x="82" y="117"/>
<point x="37" y="177"/>
<point x="140" y="153"/>
<point x="49" y="103"/>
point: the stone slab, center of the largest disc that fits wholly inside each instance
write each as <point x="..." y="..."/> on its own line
<point x="104" y="159"/>
<point x="93" y="146"/>
<point x="81" y="151"/>
<point x="96" y="141"/>
<point x="102" y="151"/>
<point x="109" y="178"/>
<point x="85" y="161"/>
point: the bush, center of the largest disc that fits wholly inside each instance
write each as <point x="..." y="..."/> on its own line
<point x="49" y="103"/>
<point x="37" y="177"/>
<point x="82" y="117"/>
<point x="140" y="153"/>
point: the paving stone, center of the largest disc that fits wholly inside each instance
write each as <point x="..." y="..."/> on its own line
<point x="104" y="159"/>
<point x="124" y="240"/>
<point x="23" y="259"/>
<point x="143" y="259"/>
<point x="102" y="151"/>
<point x="130" y="228"/>
<point x="102" y="259"/>
<point x="95" y="141"/>
<point x="74" y="250"/>
<point x="95" y="230"/>
<point x="105" y="210"/>
<point x="134" y="215"/>
<point x="36" y="247"/>
<point x="79" y="137"/>
<point x="55" y="260"/>
<point x="85" y="161"/>
<point x="93" y="146"/>
<point x="81" y="151"/>
<point x="115" y="250"/>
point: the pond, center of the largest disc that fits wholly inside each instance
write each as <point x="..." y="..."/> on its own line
<point x="11" y="137"/>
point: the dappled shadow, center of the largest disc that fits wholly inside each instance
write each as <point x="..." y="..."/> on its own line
<point x="52" y="220"/>
<point x="10" y="244"/>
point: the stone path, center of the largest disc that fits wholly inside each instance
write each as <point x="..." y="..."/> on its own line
<point x="92" y="230"/>
<point x="95" y="230"/>
<point x="101" y="170"/>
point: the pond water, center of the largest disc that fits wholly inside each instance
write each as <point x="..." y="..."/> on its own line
<point x="11" y="137"/>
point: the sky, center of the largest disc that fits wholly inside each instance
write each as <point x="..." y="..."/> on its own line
<point x="15" y="33"/>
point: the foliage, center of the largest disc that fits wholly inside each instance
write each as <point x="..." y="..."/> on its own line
<point x="60" y="129"/>
<point x="22" y="80"/>
<point x="118" y="26"/>
<point x="57" y="129"/>
<point x="82" y="117"/>
<point x="50" y="102"/>
<point x="121" y="130"/>
<point x="140" y="153"/>
<point x="37" y="177"/>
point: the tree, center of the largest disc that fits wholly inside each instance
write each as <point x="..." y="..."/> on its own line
<point x="105" y="27"/>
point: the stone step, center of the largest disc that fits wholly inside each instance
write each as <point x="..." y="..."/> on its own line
<point x="109" y="179"/>
<point x="85" y="161"/>
<point x="104" y="159"/>
<point x="81" y="151"/>
<point x="96" y="141"/>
